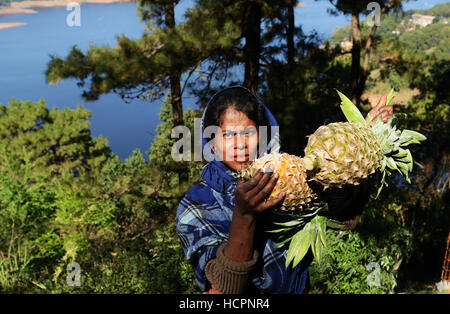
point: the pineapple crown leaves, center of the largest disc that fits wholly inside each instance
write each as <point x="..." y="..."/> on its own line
<point x="393" y="142"/>
<point x="312" y="235"/>
<point x="304" y="230"/>
<point x="291" y="222"/>
<point x="350" y="111"/>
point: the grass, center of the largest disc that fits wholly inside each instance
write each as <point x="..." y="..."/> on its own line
<point x="377" y="87"/>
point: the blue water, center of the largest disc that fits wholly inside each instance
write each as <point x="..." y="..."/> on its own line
<point x="25" y="50"/>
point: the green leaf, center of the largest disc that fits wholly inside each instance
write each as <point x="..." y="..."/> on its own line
<point x="403" y="169"/>
<point x="313" y="234"/>
<point x="383" y="183"/>
<point x="299" y="247"/>
<point x="390" y="97"/>
<point x="383" y="164"/>
<point x="401" y="153"/>
<point x="405" y="160"/>
<point x="282" y="242"/>
<point x="318" y="249"/>
<point x="334" y="224"/>
<point x="407" y="179"/>
<point x="391" y="163"/>
<point x="410" y="164"/>
<point x="323" y="227"/>
<point x="290" y="223"/>
<point x="350" y="111"/>
<point x="379" y="190"/>
<point x="411" y="137"/>
<point x="278" y="230"/>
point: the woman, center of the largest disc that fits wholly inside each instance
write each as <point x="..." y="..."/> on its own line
<point x="221" y="220"/>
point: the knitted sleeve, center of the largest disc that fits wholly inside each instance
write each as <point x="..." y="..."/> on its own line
<point x="227" y="276"/>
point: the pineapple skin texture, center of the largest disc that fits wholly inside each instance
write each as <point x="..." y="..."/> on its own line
<point x="292" y="179"/>
<point x="346" y="153"/>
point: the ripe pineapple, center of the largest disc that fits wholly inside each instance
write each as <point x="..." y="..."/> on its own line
<point x="347" y="152"/>
<point x="343" y="153"/>
<point x="292" y="179"/>
<point x="336" y="154"/>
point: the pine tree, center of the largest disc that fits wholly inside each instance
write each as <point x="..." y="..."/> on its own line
<point x="143" y="68"/>
<point x="245" y="42"/>
<point x="215" y="37"/>
<point x="162" y="13"/>
<point x="48" y="143"/>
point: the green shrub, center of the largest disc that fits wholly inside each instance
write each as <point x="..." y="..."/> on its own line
<point x="365" y="260"/>
<point x="64" y="197"/>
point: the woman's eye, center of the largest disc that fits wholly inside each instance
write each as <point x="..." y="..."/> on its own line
<point x="250" y="132"/>
<point x="228" y="135"/>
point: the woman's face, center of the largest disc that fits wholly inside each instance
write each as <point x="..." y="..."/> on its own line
<point x="236" y="142"/>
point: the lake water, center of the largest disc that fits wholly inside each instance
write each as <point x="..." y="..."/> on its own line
<point x="25" y="50"/>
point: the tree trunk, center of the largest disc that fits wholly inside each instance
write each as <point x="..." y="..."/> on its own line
<point x="175" y="92"/>
<point x="359" y="75"/>
<point x="175" y="86"/>
<point x="356" y="55"/>
<point x="252" y="48"/>
<point x="290" y="34"/>
<point x="365" y="68"/>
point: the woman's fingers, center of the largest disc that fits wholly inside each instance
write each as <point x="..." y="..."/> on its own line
<point x="258" y="181"/>
<point x="387" y="112"/>
<point x="381" y="110"/>
<point x="253" y="182"/>
<point x="382" y="101"/>
<point x="273" y="202"/>
<point x="253" y="194"/>
<point x="267" y="190"/>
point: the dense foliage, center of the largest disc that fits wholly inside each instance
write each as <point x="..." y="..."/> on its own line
<point x="65" y="197"/>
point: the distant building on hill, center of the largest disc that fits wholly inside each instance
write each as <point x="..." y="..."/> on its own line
<point x="422" y="20"/>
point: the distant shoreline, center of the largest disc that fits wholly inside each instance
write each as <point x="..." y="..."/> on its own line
<point x="26" y="7"/>
<point x="9" y="25"/>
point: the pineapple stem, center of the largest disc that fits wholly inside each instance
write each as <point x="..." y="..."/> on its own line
<point x="311" y="162"/>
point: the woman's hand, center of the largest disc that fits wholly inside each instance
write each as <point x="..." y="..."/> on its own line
<point x="250" y="200"/>
<point x="380" y="110"/>
<point x="251" y="196"/>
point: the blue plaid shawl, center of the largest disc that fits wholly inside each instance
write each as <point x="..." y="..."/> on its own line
<point x="203" y="224"/>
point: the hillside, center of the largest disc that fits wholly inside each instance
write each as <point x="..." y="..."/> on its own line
<point x="398" y="23"/>
<point x="439" y="10"/>
<point x="421" y="34"/>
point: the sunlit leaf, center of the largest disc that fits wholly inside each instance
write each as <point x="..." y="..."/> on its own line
<point x="391" y="163"/>
<point x="410" y="164"/>
<point x="411" y="137"/>
<point x="350" y="111"/>
<point x="390" y="97"/>
<point x="290" y="223"/>
<point x="299" y="247"/>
